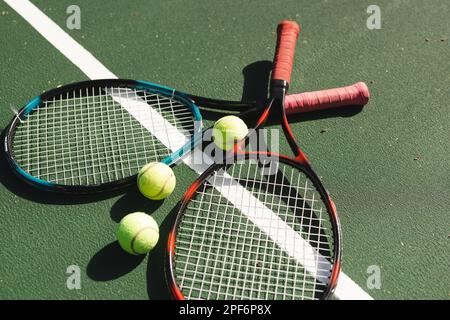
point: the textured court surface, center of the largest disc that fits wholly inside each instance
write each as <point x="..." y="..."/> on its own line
<point x="387" y="167"/>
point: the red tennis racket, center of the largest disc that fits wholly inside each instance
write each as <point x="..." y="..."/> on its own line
<point x="261" y="225"/>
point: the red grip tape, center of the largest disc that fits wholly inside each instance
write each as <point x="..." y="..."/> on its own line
<point x="287" y="35"/>
<point x="354" y="95"/>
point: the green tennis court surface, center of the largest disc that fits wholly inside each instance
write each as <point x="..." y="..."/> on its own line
<point x="386" y="167"/>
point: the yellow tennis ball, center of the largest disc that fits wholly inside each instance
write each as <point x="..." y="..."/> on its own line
<point x="156" y="180"/>
<point x="137" y="233"/>
<point x="229" y="130"/>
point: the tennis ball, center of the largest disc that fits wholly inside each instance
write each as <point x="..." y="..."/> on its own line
<point x="137" y="233"/>
<point x="229" y="130"/>
<point x="156" y="180"/>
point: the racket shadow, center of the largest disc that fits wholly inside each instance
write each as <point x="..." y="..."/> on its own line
<point x="20" y="188"/>
<point x="256" y="78"/>
<point x="157" y="287"/>
<point x="342" y="112"/>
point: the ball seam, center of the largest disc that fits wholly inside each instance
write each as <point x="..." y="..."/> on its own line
<point x="146" y="169"/>
<point x="136" y="235"/>
<point x="164" y="185"/>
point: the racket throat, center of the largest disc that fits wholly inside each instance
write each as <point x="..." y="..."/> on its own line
<point x="275" y="109"/>
<point x="301" y="157"/>
<point x="278" y="89"/>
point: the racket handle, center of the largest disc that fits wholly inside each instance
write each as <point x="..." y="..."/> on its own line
<point x="287" y="35"/>
<point x="354" y="95"/>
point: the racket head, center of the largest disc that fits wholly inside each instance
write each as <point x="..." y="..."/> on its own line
<point x="93" y="136"/>
<point x="238" y="233"/>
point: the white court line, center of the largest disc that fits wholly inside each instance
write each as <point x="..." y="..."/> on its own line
<point x="346" y="289"/>
<point x="289" y="240"/>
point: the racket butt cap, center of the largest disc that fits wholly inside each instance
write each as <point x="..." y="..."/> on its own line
<point x="288" y="24"/>
<point x="363" y="92"/>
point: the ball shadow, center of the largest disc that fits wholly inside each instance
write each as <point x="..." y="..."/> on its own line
<point x="133" y="201"/>
<point x="111" y="262"/>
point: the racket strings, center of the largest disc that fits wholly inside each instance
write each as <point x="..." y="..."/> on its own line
<point x="99" y="135"/>
<point x="244" y="235"/>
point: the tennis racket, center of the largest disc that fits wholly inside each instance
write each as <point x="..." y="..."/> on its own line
<point x="261" y="225"/>
<point x="95" y="135"/>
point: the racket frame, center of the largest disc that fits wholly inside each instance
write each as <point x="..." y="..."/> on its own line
<point x="283" y="61"/>
<point x="122" y="83"/>
<point x="190" y="192"/>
